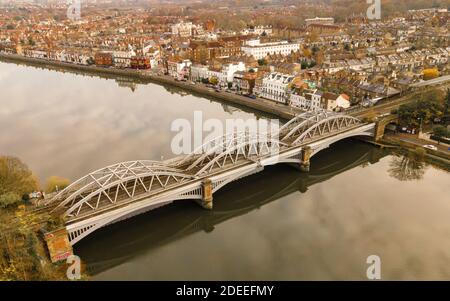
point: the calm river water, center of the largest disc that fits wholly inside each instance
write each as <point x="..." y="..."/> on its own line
<point x="280" y="224"/>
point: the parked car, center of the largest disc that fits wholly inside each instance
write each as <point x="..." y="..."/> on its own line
<point x="429" y="146"/>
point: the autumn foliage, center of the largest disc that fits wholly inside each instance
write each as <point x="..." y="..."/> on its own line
<point x="430" y="73"/>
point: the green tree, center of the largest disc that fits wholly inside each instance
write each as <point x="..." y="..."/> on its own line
<point x="304" y="64"/>
<point x="213" y="80"/>
<point x="315" y="49"/>
<point x="440" y="132"/>
<point x="262" y="62"/>
<point x="429" y="106"/>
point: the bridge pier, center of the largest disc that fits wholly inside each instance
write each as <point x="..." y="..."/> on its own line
<point x="207" y="196"/>
<point x="305" y="160"/>
<point x="379" y="130"/>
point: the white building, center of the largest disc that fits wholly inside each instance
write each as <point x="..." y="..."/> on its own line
<point x="258" y="30"/>
<point x="178" y="69"/>
<point x="275" y="86"/>
<point x="198" y="72"/>
<point x="331" y="101"/>
<point x="228" y="71"/>
<point x="182" y="29"/>
<point x="322" y="21"/>
<point x="122" y="59"/>
<point x="224" y="76"/>
<point x="309" y="100"/>
<point x="260" y="50"/>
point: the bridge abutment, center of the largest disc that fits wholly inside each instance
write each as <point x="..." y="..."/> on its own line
<point x="380" y="126"/>
<point x="58" y="244"/>
<point x="207" y="195"/>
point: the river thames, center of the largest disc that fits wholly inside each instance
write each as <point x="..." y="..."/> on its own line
<point x="280" y="224"/>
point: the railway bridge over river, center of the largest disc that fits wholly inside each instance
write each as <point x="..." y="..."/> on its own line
<point x="126" y="189"/>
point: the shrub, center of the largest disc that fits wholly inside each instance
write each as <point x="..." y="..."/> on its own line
<point x="9" y="198"/>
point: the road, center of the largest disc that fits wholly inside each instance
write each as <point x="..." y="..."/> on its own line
<point x="435" y="81"/>
<point x="388" y="105"/>
<point x="414" y="139"/>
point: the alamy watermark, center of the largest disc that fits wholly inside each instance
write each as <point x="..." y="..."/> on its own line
<point x="374" y="270"/>
<point x="215" y="135"/>
<point x="74" y="9"/>
<point x="74" y="270"/>
<point x="374" y="9"/>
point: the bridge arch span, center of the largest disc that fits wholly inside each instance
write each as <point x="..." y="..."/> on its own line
<point x="327" y="126"/>
<point x="365" y="131"/>
<point x="79" y="232"/>
<point x="133" y="179"/>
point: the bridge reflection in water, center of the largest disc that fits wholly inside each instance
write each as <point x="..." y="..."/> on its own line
<point x="116" y="244"/>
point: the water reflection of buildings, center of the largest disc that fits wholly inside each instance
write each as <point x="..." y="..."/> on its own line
<point x="118" y="243"/>
<point x="132" y="83"/>
<point x="127" y="83"/>
<point x="229" y="109"/>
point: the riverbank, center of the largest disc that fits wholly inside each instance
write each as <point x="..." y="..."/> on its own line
<point x="438" y="157"/>
<point x="259" y="104"/>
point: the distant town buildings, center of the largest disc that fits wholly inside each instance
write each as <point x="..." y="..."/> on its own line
<point x="316" y="64"/>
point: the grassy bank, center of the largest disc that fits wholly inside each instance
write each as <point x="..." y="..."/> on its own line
<point x="23" y="253"/>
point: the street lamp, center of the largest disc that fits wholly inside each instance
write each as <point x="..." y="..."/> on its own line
<point x="420" y="127"/>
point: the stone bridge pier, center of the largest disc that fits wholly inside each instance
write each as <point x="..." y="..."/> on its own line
<point x="305" y="158"/>
<point x="207" y="195"/>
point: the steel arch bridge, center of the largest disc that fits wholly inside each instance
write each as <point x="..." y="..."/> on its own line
<point x="122" y="190"/>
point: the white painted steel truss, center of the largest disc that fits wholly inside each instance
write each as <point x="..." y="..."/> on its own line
<point x="229" y="151"/>
<point x="331" y="125"/>
<point x="309" y="125"/>
<point x="137" y="180"/>
<point x="113" y="183"/>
